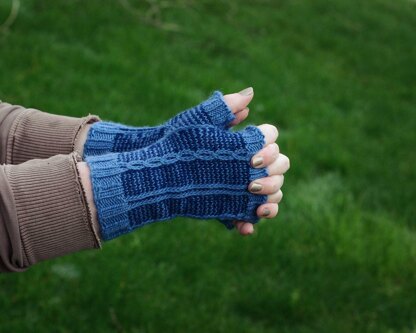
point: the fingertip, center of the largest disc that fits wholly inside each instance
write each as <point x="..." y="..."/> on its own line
<point x="266" y="157"/>
<point x="238" y="101"/>
<point x="266" y="185"/>
<point x="270" y="133"/>
<point x="268" y="210"/>
<point x="275" y="197"/>
<point x="279" y="166"/>
<point x="244" y="228"/>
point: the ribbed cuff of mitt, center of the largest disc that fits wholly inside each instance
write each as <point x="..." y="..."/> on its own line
<point x="35" y="134"/>
<point x="213" y="111"/>
<point x="51" y="208"/>
<point x="110" y="201"/>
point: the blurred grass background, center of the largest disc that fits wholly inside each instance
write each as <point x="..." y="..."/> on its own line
<point x="337" y="77"/>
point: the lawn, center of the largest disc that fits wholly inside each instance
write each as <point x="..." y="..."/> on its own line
<point x="337" y="77"/>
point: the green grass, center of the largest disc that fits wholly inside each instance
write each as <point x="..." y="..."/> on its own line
<point x="337" y="77"/>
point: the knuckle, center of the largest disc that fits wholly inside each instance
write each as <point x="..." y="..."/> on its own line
<point x="286" y="162"/>
<point x="275" y="131"/>
<point x="274" y="128"/>
<point x="275" y="150"/>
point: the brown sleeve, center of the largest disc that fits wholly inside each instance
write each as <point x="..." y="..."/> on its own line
<point x="8" y="114"/>
<point x="29" y="133"/>
<point x="43" y="212"/>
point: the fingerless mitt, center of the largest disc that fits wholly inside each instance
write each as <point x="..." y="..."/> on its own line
<point x="199" y="171"/>
<point x="107" y="137"/>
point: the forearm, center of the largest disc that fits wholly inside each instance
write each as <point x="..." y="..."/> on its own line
<point x="85" y="180"/>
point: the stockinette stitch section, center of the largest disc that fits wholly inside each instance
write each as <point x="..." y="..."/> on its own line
<point x="107" y="137"/>
<point x="199" y="171"/>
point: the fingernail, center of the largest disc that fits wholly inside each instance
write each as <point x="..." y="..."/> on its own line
<point x="266" y="212"/>
<point x="257" y="161"/>
<point x="256" y="187"/>
<point x="247" y="92"/>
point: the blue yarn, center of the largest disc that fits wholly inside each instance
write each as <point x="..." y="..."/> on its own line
<point x="108" y="137"/>
<point x="196" y="171"/>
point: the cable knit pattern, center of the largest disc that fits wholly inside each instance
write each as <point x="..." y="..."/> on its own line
<point x="196" y="171"/>
<point x="107" y="137"/>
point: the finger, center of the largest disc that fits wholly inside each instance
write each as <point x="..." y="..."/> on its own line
<point x="268" y="210"/>
<point x="279" y="166"/>
<point x="238" y="101"/>
<point x="266" y="185"/>
<point x="270" y="133"/>
<point x="266" y="157"/>
<point x="275" y="197"/>
<point x="240" y="116"/>
<point x="244" y="228"/>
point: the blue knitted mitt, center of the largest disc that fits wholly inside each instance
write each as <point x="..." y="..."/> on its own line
<point x="107" y="137"/>
<point x="199" y="171"/>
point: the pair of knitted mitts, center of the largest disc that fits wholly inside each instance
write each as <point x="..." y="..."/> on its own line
<point x="191" y="166"/>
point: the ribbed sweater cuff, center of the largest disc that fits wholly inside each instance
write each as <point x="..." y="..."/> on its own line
<point x="36" y="134"/>
<point x="51" y="208"/>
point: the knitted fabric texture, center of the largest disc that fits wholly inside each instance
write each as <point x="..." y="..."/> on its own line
<point x="198" y="171"/>
<point x="107" y="137"/>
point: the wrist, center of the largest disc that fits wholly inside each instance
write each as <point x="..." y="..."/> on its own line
<point x="84" y="175"/>
<point x="81" y="139"/>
